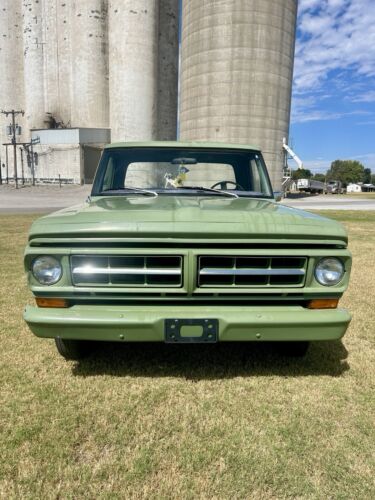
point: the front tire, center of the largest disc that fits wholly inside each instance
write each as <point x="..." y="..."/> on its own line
<point x="294" y="349"/>
<point x="71" y="349"/>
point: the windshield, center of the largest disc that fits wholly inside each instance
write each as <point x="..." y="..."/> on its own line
<point x="137" y="171"/>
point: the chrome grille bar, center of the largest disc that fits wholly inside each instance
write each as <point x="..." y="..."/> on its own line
<point x="251" y="271"/>
<point x="153" y="271"/>
<point x="124" y="270"/>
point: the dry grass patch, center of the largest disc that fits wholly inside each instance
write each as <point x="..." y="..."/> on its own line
<point x="225" y="421"/>
<point x="367" y="196"/>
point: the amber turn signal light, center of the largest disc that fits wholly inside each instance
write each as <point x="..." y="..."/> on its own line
<point x="323" y="304"/>
<point x="43" y="302"/>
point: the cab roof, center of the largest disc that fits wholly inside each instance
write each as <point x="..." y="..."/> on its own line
<point x="182" y="144"/>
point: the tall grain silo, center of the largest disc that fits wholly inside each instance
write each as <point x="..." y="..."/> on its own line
<point x="11" y="69"/>
<point x="58" y="53"/>
<point x="136" y="70"/>
<point x="167" y="95"/>
<point x="11" y="55"/>
<point x="133" y="68"/>
<point x="66" y="62"/>
<point x="90" y="92"/>
<point x="33" y="49"/>
<point x="236" y="73"/>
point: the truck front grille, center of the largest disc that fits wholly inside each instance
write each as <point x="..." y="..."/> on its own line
<point x="127" y="271"/>
<point x="238" y="271"/>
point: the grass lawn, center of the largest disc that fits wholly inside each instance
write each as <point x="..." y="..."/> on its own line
<point x="228" y="421"/>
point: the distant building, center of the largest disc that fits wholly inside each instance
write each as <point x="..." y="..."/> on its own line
<point x="354" y="188"/>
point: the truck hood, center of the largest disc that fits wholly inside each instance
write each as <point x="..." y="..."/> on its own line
<point x="186" y="217"/>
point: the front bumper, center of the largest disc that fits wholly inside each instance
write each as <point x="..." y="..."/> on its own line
<point x="147" y="323"/>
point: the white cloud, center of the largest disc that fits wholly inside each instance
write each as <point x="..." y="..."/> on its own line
<point x="304" y="5"/>
<point x="367" y="123"/>
<point x="314" y="24"/>
<point x="368" y="96"/>
<point x="334" y="36"/>
<point x="304" y="109"/>
<point x="341" y="35"/>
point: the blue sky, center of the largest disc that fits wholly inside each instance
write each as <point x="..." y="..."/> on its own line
<point x="333" y="104"/>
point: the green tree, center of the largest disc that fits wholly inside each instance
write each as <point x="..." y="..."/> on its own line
<point x="367" y="176"/>
<point x="346" y="171"/>
<point x="320" y="177"/>
<point x="373" y="179"/>
<point x="301" y="173"/>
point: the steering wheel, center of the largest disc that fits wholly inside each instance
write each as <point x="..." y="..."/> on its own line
<point x="223" y="185"/>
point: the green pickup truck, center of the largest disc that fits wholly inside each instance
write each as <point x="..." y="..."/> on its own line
<point x="185" y="242"/>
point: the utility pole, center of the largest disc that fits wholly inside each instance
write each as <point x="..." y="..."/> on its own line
<point x="32" y="162"/>
<point x="6" y="159"/>
<point x="23" y="172"/>
<point x="36" y="140"/>
<point x="14" y="130"/>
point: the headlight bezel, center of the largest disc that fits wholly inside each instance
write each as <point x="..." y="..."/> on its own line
<point x="334" y="261"/>
<point x="54" y="263"/>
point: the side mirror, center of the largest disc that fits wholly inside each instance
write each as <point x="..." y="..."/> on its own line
<point x="278" y="195"/>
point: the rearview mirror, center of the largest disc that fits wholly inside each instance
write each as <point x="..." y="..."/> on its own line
<point x="184" y="161"/>
<point x="278" y="195"/>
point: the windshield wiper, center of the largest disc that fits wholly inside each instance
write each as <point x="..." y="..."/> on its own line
<point x="146" y="192"/>
<point x="209" y="190"/>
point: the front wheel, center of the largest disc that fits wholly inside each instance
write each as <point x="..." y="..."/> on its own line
<point x="294" y="349"/>
<point x="72" y="349"/>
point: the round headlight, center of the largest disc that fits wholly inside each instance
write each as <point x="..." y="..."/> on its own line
<point x="329" y="271"/>
<point x="47" y="270"/>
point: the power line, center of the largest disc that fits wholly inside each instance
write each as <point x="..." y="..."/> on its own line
<point x="14" y="130"/>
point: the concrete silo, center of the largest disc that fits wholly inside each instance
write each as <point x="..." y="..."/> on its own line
<point x="133" y="48"/>
<point x="168" y="70"/>
<point x="33" y="49"/>
<point x="58" y="51"/>
<point x="11" y="55"/>
<point x="90" y="93"/>
<point x="137" y="99"/>
<point x="11" y="68"/>
<point x="236" y="73"/>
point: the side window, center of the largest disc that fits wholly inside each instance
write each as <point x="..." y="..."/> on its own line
<point x="108" y="178"/>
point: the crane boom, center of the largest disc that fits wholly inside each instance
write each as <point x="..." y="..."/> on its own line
<point x="290" y="151"/>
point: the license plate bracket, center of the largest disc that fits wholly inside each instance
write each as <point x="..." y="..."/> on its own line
<point x="173" y="330"/>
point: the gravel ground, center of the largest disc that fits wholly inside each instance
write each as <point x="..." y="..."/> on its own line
<point x="46" y="198"/>
<point x="327" y="202"/>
